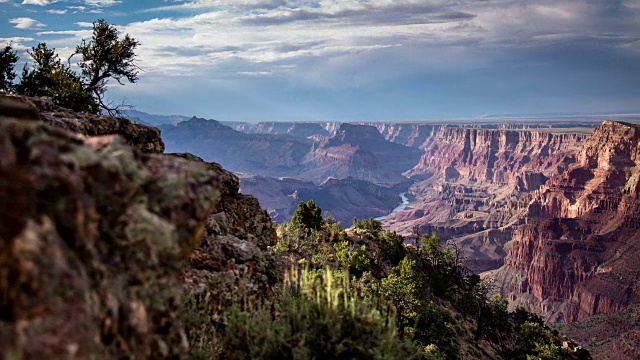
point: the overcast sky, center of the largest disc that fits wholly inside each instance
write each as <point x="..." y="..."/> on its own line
<point x="263" y="60"/>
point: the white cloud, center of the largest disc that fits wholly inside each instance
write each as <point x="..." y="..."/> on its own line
<point x="26" y="23"/>
<point x="39" y="2"/>
<point x="102" y="3"/>
<point x="254" y="73"/>
<point x="322" y="40"/>
<point x="16" y="42"/>
<point x="57" y="12"/>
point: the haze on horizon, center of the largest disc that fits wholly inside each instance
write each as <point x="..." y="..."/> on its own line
<point x="307" y="60"/>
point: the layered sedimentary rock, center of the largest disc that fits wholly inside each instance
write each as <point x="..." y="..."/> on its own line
<point x="95" y="235"/>
<point x="472" y="182"/>
<point x="578" y="256"/>
<point x="495" y="156"/>
<point x="360" y="152"/>
<point x="420" y="134"/>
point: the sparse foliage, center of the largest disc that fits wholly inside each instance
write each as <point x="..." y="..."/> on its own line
<point x="308" y="216"/>
<point x="433" y="303"/>
<point x="107" y="56"/>
<point x="8" y="60"/>
<point x="48" y="76"/>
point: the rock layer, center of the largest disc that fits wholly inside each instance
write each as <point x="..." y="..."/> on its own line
<point x="472" y="182"/>
<point x="578" y="254"/>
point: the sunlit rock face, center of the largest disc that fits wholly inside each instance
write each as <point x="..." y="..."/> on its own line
<point x="578" y="255"/>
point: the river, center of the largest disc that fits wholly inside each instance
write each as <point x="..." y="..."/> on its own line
<point x="405" y="202"/>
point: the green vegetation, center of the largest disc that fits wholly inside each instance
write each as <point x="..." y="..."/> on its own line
<point x="364" y="294"/>
<point x="50" y="77"/>
<point x="106" y="56"/>
<point x="308" y="216"/>
<point x="8" y="59"/>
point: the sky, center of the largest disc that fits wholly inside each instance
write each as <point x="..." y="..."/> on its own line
<point x="357" y="60"/>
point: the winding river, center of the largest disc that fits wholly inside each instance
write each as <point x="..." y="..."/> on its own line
<point x="405" y="202"/>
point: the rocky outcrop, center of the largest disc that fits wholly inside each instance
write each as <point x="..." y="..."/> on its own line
<point x="232" y="265"/>
<point x="145" y="138"/>
<point x="92" y="234"/>
<point x="96" y="235"/>
<point x="578" y="254"/>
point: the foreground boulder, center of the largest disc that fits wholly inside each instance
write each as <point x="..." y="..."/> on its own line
<point x="145" y="138"/>
<point x="95" y="234"/>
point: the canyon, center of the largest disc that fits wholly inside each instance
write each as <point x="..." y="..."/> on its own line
<point x="104" y="218"/>
<point x="545" y="211"/>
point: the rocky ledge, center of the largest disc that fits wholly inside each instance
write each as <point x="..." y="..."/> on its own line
<point x="102" y="238"/>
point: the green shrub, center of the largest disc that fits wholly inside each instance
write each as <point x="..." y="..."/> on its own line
<point x="318" y="316"/>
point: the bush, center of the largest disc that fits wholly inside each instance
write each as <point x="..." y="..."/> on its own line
<point x="318" y="316"/>
<point x="393" y="248"/>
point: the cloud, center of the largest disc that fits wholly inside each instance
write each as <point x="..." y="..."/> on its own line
<point x="102" y="3"/>
<point x="208" y="4"/>
<point x="39" y="2"/>
<point x="25" y="23"/>
<point x="355" y="44"/>
<point x="16" y="42"/>
<point x="57" y="12"/>
<point x="254" y="73"/>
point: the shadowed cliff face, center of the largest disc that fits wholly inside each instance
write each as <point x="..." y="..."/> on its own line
<point x="360" y="152"/>
<point x="344" y="199"/>
<point x="277" y="150"/>
<point x="578" y="256"/>
<point x="255" y="153"/>
<point x="95" y="235"/>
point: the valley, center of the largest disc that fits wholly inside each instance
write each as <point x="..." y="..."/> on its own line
<point x="546" y="211"/>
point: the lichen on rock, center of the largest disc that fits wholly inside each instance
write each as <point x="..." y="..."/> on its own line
<point x="96" y="232"/>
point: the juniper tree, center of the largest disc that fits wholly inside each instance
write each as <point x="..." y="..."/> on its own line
<point x="8" y="60"/>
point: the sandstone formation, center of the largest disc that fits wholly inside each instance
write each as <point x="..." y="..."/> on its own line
<point x="578" y="255"/>
<point x="95" y="235"/>
<point x="495" y="156"/>
<point x="471" y="183"/>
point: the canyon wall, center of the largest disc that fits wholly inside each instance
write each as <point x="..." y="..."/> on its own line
<point x="494" y="156"/>
<point x="472" y="184"/>
<point x="579" y="253"/>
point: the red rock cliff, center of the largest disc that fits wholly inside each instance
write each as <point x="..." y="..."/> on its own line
<point x="578" y="255"/>
<point x="495" y="156"/>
